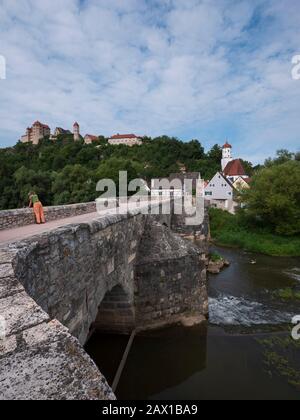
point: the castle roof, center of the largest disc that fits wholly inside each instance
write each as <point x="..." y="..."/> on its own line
<point x="62" y="130"/>
<point x="123" y="136"/>
<point x="227" y="146"/>
<point x="92" y="137"/>
<point x="76" y="124"/>
<point x="235" y="168"/>
<point x="40" y="124"/>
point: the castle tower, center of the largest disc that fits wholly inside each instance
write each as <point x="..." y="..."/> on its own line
<point x="76" y="131"/>
<point x="226" y="155"/>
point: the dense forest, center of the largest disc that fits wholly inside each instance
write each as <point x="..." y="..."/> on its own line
<point x="64" y="171"/>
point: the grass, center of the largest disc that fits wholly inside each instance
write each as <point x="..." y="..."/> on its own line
<point x="215" y="257"/>
<point x="281" y="357"/>
<point x="228" y="230"/>
<point x="287" y="294"/>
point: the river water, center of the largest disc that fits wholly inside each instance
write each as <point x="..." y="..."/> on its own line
<point x="244" y="352"/>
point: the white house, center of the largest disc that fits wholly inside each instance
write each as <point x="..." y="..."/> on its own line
<point x="177" y="185"/>
<point x="241" y="183"/>
<point x="219" y="191"/>
<point x="163" y="188"/>
<point x="125" y="139"/>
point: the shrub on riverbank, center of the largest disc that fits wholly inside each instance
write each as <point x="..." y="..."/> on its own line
<point x="279" y="357"/>
<point x="273" y="201"/>
<point x="215" y="257"/>
<point x="235" y="231"/>
<point x="287" y="294"/>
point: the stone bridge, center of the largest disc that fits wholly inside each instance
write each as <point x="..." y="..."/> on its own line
<point x="114" y="273"/>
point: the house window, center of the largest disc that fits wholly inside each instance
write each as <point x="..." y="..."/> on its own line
<point x="208" y="193"/>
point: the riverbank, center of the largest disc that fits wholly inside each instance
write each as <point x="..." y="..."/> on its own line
<point x="228" y="232"/>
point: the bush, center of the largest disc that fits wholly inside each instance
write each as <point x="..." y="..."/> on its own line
<point x="274" y="198"/>
<point x="229" y="230"/>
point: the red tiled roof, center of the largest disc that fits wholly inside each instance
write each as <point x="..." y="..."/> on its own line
<point x="40" y="124"/>
<point x="93" y="138"/>
<point x="234" y="168"/>
<point x="123" y="136"/>
<point x="227" y="146"/>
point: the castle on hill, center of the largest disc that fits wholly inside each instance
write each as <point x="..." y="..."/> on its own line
<point x="38" y="131"/>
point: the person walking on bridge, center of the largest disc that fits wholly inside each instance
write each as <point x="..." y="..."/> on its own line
<point x="37" y="207"/>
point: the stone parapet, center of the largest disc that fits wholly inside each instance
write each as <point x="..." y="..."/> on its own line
<point x="10" y="219"/>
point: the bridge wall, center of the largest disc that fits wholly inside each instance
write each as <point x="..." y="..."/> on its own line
<point x="10" y="219"/>
<point x="39" y="358"/>
<point x="115" y="273"/>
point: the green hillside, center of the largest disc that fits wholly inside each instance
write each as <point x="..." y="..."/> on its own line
<point x="64" y="172"/>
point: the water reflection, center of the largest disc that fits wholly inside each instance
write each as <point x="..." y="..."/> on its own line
<point x="161" y="360"/>
<point x="158" y="360"/>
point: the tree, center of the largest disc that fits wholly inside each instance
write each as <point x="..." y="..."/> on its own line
<point x="193" y="150"/>
<point x="274" y="198"/>
<point x="74" y="184"/>
<point x="27" y="180"/>
<point x="111" y="168"/>
<point x="248" y="166"/>
<point x="206" y="167"/>
<point x="282" y="156"/>
<point x="215" y="154"/>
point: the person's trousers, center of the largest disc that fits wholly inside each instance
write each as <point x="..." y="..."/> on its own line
<point x="39" y="213"/>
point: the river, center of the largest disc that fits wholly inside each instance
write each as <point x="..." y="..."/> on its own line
<point x="243" y="352"/>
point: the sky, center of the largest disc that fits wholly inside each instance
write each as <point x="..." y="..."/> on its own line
<point x="211" y="70"/>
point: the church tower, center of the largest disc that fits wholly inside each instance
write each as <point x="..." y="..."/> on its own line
<point x="226" y="155"/>
<point x="76" y="131"/>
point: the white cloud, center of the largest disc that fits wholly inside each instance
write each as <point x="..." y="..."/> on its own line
<point x="153" y="67"/>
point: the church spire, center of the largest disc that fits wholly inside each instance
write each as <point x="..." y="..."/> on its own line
<point x="226" y="155"/>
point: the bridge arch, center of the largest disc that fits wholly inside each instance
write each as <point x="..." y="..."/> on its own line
<point x="116" y="311"/>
